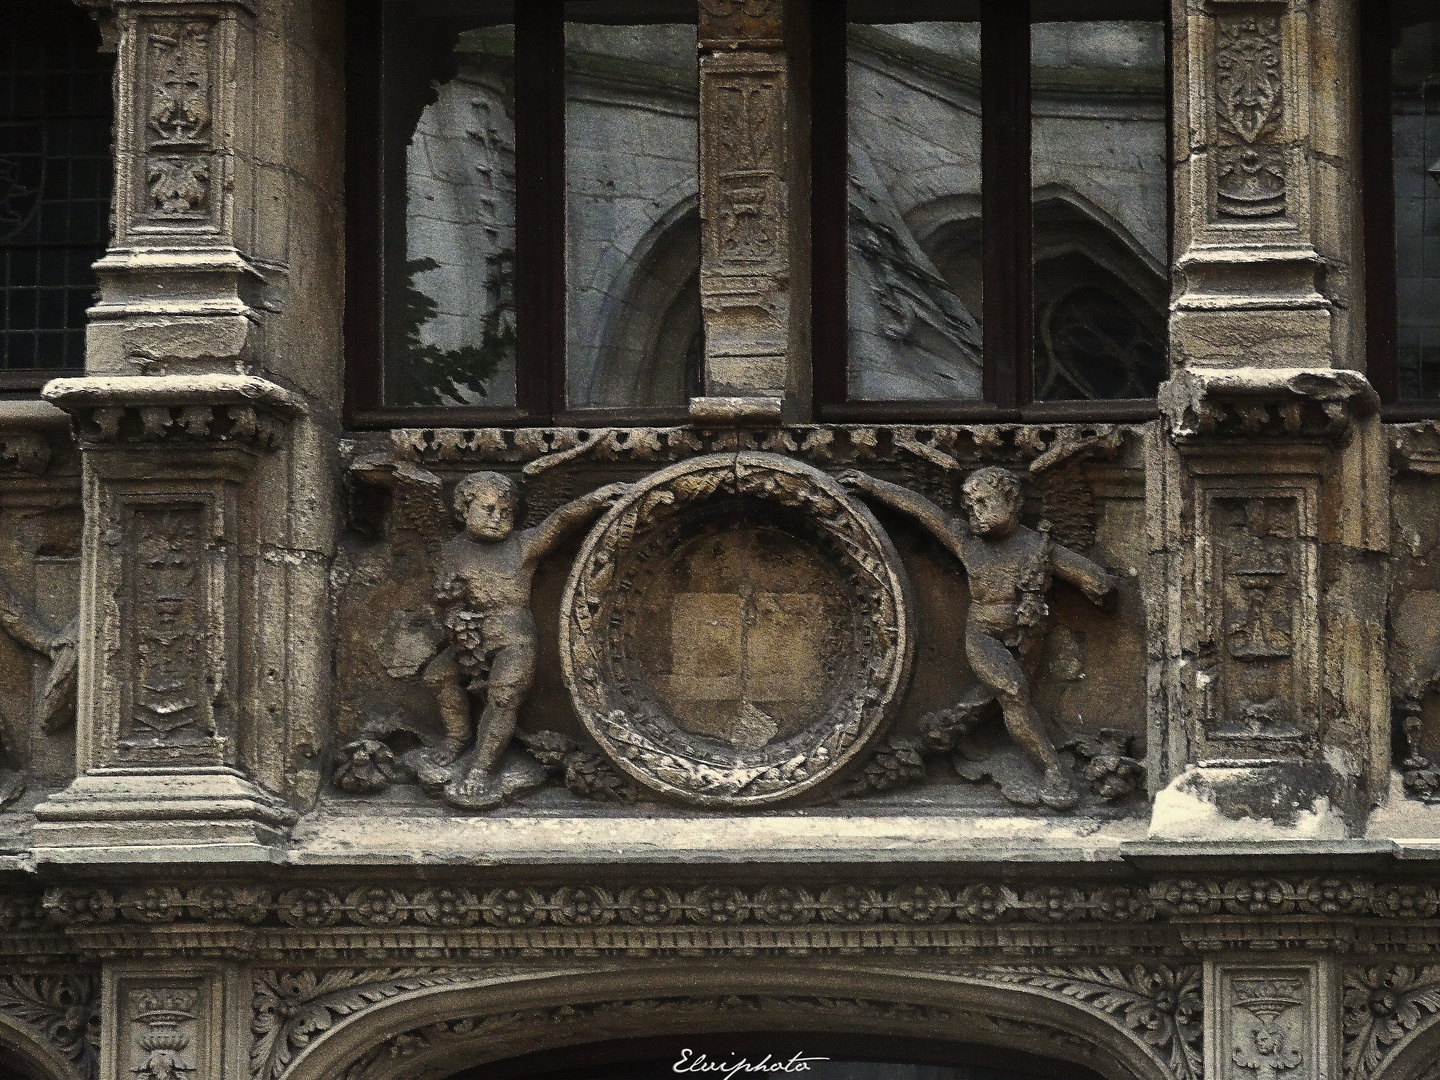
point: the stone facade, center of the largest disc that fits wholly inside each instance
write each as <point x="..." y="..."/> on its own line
<point x="371" y="754"/>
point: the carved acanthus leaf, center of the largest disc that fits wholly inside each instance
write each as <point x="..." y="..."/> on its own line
<point x="292" y="1008"/>
<point x="1161" y="1005"/>
<point x="62" y="1010"/>
<point x="1382" y="1006"/>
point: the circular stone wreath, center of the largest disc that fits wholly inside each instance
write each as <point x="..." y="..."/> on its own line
<point x="632" y="566"/>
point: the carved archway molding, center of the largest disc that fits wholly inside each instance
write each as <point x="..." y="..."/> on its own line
<point x="1135" y="1023"/>
<point x="48" y="1025"/>
<point x="1392" y="1022"/>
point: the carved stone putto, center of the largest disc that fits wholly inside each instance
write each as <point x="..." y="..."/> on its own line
<point x="736" y="630"/>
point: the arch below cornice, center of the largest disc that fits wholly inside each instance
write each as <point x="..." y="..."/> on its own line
<point x="444" y="1023"/>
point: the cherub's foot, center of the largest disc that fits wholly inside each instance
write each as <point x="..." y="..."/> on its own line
<point x="1057" y="790"/>
<point x="481" y="790"/>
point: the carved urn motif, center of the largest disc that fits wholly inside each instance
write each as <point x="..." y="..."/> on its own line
<point x="736" y="630"/>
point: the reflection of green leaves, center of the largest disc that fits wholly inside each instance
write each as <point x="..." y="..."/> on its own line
<point x="442" y="376"/>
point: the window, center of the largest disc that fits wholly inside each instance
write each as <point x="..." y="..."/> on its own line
<point x="530" y="246"/>
<point x="55" y="178"/>
<point x="1401" y="80"/>
<point x="992" y="206"/>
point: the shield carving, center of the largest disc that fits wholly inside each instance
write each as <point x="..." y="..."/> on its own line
<point x="22" y="176"/>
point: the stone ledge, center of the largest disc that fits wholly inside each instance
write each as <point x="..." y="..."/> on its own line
<point x="141" y="391"/>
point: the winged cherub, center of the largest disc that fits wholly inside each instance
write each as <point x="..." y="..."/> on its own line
<point x="1011" y="569"/>
<point x="482" y="591"/>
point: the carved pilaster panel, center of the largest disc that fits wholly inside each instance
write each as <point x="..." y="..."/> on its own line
<point x="167" y="650"/>
<point x="183" y="93"/>
<point x="163" y="1023"/>
<point x="1271" y="1023"/>
<point x="744" y="190"/>
<point x="1257" y="560"/>
<point x="1250" y="171"/>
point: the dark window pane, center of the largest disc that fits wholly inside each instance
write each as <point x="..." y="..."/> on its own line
<point x="54" y="193"/>
<point x="449" y="72"/>
<point x="1099" y="197"/>
<point x="1415" y="106"/>
<point x="632" y="215"/>
<point x="916" y="261"/>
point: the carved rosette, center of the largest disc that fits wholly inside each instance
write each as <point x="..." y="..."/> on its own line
<point x="736" y="631"/>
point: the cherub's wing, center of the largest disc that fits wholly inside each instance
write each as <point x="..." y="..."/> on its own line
<point x="1065" y="491"/>
<point x="418" y="512"/>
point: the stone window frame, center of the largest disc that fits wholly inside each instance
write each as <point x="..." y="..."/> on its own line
<point x="540" y="286"/>
<point x="1005" y="210"/>
<point x="1377" y="156"/>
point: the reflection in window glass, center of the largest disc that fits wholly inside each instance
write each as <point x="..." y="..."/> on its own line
<point x="632" y="217"/>
<point x="915" y="263"/>
<point x="1415" y="106"/>
<point x="450" y="237"/>
<point x="55" y="180"/>
<point x="1099" y="190"/>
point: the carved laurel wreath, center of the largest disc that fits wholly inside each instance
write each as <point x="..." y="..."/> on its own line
<point x="637" y="733"/>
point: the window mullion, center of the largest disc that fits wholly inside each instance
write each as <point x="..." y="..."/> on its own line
<point x="1005" y="198"/>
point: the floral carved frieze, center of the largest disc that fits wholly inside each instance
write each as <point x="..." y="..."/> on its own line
<point x="783" y="655"/>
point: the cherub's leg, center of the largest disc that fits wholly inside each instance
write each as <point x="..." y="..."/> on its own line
<point x="997" y="667"/>
<point x="447" y="682"/>
<point x="511" y="675"/>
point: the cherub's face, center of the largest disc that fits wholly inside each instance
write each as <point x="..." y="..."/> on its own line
<point x="992" y="511"/>
<point x="491" y="513"/>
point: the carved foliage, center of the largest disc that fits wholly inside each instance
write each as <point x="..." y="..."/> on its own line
<point x="178" y="118"/>
<point x="291" y="1008"/>
<point x="746" y="136"/>
<point x="62" y="1010"/>
<point x="750" y="24"/>
<point x="1383" y="1005"/>
<point x="1160" y="1005"/>
<point x="1249" y="106"/>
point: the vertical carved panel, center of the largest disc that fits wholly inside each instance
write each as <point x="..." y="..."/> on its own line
<point x="177" y="123"/>
<point x="1258" y="647"/>
<point x="173" y="689"/>
<point x="744" y="192"/>
<point x="1249" y="110"/>
<point x="1268" y="1023"/>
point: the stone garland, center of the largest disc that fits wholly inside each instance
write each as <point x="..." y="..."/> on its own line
<point x="525" y="907"/>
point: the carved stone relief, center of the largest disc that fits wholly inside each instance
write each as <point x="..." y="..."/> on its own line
<point x="1249" y="109"/>
<point x="62" y="1011"/>
<point x="178" y="136"/>
<point x="165" y="1028"/>
<point x="1265" y="1026"/>
<point x="1384" y="1005"/>
<point x="736" y="630"/>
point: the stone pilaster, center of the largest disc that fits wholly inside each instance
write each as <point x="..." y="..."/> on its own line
<point x="750" y="178"/>
<point x="180" y="653"/>
<point x="1268" y="486"/>
<point x="179" y="287"/>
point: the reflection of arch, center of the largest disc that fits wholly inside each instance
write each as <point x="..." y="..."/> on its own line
<point x="437" y="1031"/>
<point x="650" y="326"/>
<point x="1100" y="297"/>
